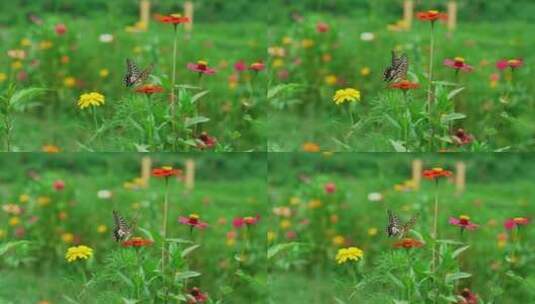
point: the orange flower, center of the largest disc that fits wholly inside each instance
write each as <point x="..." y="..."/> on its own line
<point x="165" y="172"/>
<point x="311" y="147"/>
<point x="172" y="19"/>
<point x="405" y="85"/>
<point x="436" y="173"/>
<point x="149" y="89"/>
<point x="408" y="243"/>
<point x="137" y="242"/>
<point x="431" y="15"/>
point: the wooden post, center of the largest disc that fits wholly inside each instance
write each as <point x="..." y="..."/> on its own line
<point x="452" y="15"/>
<point x="190" y="174"/>
<point x="146" y="167"/>
<point x="144" y="14"/>
<point x="460" y="177"/>
<point x="188" y="12"/>
<point x="417" y="166"/>
<point x="408" y="13"/>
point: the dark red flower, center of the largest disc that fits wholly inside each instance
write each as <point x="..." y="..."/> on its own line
<point x="468" y="297"/>
<point x="137" y="242"/>
<point x="149" y="89"/>
<point x="207" y="141"/>
<point x="192" y="220"/>
<point x="201" y="67"/>
<point x="461" y="137"/>
<point x="408" y="243"/>
<point x="436" y="173"/>
<point x="172" y="19"/>
<point x="197" y="296"/>
<point x="245" y="221"/>
<point x="165" y="172"/>
<point x="405" y="85"/>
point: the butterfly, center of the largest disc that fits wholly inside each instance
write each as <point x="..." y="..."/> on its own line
<point x="398" y="68"/>
<point x="395" y="228"/>
<point x="133" y="75"/>
<point x="122" y="230"/>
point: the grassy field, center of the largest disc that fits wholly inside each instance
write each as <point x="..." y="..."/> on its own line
<point x="309" y="225"/>
<point x="226" y="263"/>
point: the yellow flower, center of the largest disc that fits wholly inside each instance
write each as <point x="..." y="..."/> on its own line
<point x="271" y="236"/>
<point x="344" y="95"/>
<point x="2" y="233"/>
<point x="351" y="253"/>
<point x="372" y="231"/>
<point x="313" y="204"/>
<point x="277" y="63"/>
<point x="16" y="65"/>
<point x="25" y="42"/>
<point x="311" y="147"/>
<point x="45" y="45"/>
<point x="14" y="221"/>
<point x="24" y="198"/>
<point x="50" y="149"/>
<point x="67" y="237"/>
<point x="285" y="224"/>
<point x="102" y="228"/>
<point x="90" y="99"/>
<point x="295" y="200"/>
<point x="339" y="240"/>
<point x="43" y="201"/>
<point x="69" y="82"/>
<point x="3" y="77"/>
<point x="287" y="40"/>
<point x="81" y="252"/>
<point x="331" y="79"/>
<point x="365" y="71"/>
<point x="103" y="73"/>
<point x="307" y="43"/>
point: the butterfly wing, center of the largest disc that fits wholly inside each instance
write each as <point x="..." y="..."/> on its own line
<point x="398" y="69"/>
<point x="132" y="73"/>
<point x="408" y="226"/>
<point x="393" y="228"/>
<point x="121" y="230"/>
<point x="141" y="77"/>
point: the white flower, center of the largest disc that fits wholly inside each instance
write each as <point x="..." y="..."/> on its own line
<point x="106" y="38"/>
<point x="104" y="194"/>
<point x="375" y="197"/>
<point x="367" y="36"/>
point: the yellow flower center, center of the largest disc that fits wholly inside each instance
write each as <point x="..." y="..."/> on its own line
<point x="438" y="169"/>
<point x="202" y="62"/>
<point x="464" y="217"/>
<point x="167" y="168"/>
<point x="194" y="216"/>
<point x="459" y="59"/>
<point x="434" y="12"/>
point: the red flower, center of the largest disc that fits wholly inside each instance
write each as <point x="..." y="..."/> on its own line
<point x="458" y="64"/>
<point x="172" y="19"/>
<point x="330" y="187"/>
<point x="436" y="173"/>
<point x="408" y="243"/>
<point x="405" y="85"/>
<point x="60" y="29"/>
<point x="464" y="222"/>
<point x="165" y="172"/>
<point x="149" y="89"/>
<point x="431" y="15"/>
<point x="207" y="141"/>
<point x="240" y="66"/>
<point x="197" y="296"/>
<point x="59" y="185"/>
<point x="468" y="297"/>
<point x="514" y="222"/>
<point x="201" y="67"/>
<point x="192" y="220"/>
<point x="249" y="220"/>
<point x="462" y="138"/>
<point x="257" y="66"/>
<point x="503" y="64"/>
<point x="322" y="27"/>
<point x="137" y="242"/>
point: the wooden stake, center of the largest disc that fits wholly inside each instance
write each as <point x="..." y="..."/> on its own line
<point x="460" y="177"/>
<point x="417" y="166"/>
<point x="452" y="15"/>
<point x="144" y="14"/>
<point x="190" y="174"/>
<point x="146" y="167"/>
<point x="408" y="13"/>
<point x="188" y="12"/>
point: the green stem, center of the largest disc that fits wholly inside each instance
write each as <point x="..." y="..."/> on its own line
<point x="430" y="88"/>
<point x="173" y="96"/>
<point x="95" y="121"/>
<point x="164" y="234"/>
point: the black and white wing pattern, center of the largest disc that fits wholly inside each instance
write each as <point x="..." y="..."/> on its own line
<point x="133" y="75"/>
<point x="393" y="228"/>
<point x="398" y="68"/>
<point x="121" y="230"/>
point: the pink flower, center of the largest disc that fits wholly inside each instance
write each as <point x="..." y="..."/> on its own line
<point x="283" y="74"/>
<point x="290" y="235"/>
<point x="193" y="220"/>
<point x="201" y="67"/>
<point x="330" y="187"/>
<point x="60" y="29"/>
<point x="461" y="137"/>
<point x="514" y="222"/>
<point x="458" y="64"/>
<point x="197" y="296"/>
<point x="240" y="66"/>
<point x="322" y="27"/>
<point x="502" y="64"/>
<point x="58" y="185"/>
<point x="248" y="220"/>
<point x="514" y="63"/>
<point x="464" y="222"/>
<point x="257" y="66"/>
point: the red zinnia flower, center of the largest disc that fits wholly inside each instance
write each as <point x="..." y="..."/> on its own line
<point x="137" y="242"/>
<point x="330" y="187"/>
<point x="165" y="172"/>
<point x="458" y="64"/>
<point x="192" y="220"/>
<point x="201" y="67"/>
<point x="464" y="222"/>
<point x="249" y="220"/>
<point x="405" y="85"/>
<point x="59" y="185"/>
<point x="257" y="66"/>
<point x="461" y="137"/>
<point x="240" y="66"/>
<point x="408" y="243"/>
<point x="515" y="63"/>
<point x="149" y="89"/>
<point x="436" y="173"/>
<point x="514" y="222"/>
<point x="172" y="19"/>
<point x="431" y="15"/>
<point x="207" y="141"/>
<point x="468" y="297"/>
<point x="322" y="27"/>
<point x="197" y="296"/>
<point x="60" y="29"/>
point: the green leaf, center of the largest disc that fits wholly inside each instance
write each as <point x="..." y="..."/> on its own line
<point x="4" y="248"/>
<point x="455" y="92"/>
<point x="450" y="277"/>
<point x="395" y="280"/>
<point x="276" y="249"/>
<point x="445" y="118"/>
<point x="189" y="250"/>
<point x="181" y="276"/>
<point x="272" y="92"/>
<point x="180" y="241"/>
<point x="398" y="146"/>
<point x="23" y="99"/>
<point x="125" y="279"/>
<point x="459" y="251"/>
<point x="190" y="121"/>
<point x="147" y="233"/>
<point x="198" y="96"/>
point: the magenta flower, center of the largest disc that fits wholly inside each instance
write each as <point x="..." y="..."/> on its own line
<point x="193" y="221"/>
<point x="515" y="222"/>
<point x="245" y="221"/>
<point x="458" y="64"/>
<point x="463" y="222"/>
<point x="503" y="64"/>
<point x="240" y="66"/>
<point x="201" y="67"/>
